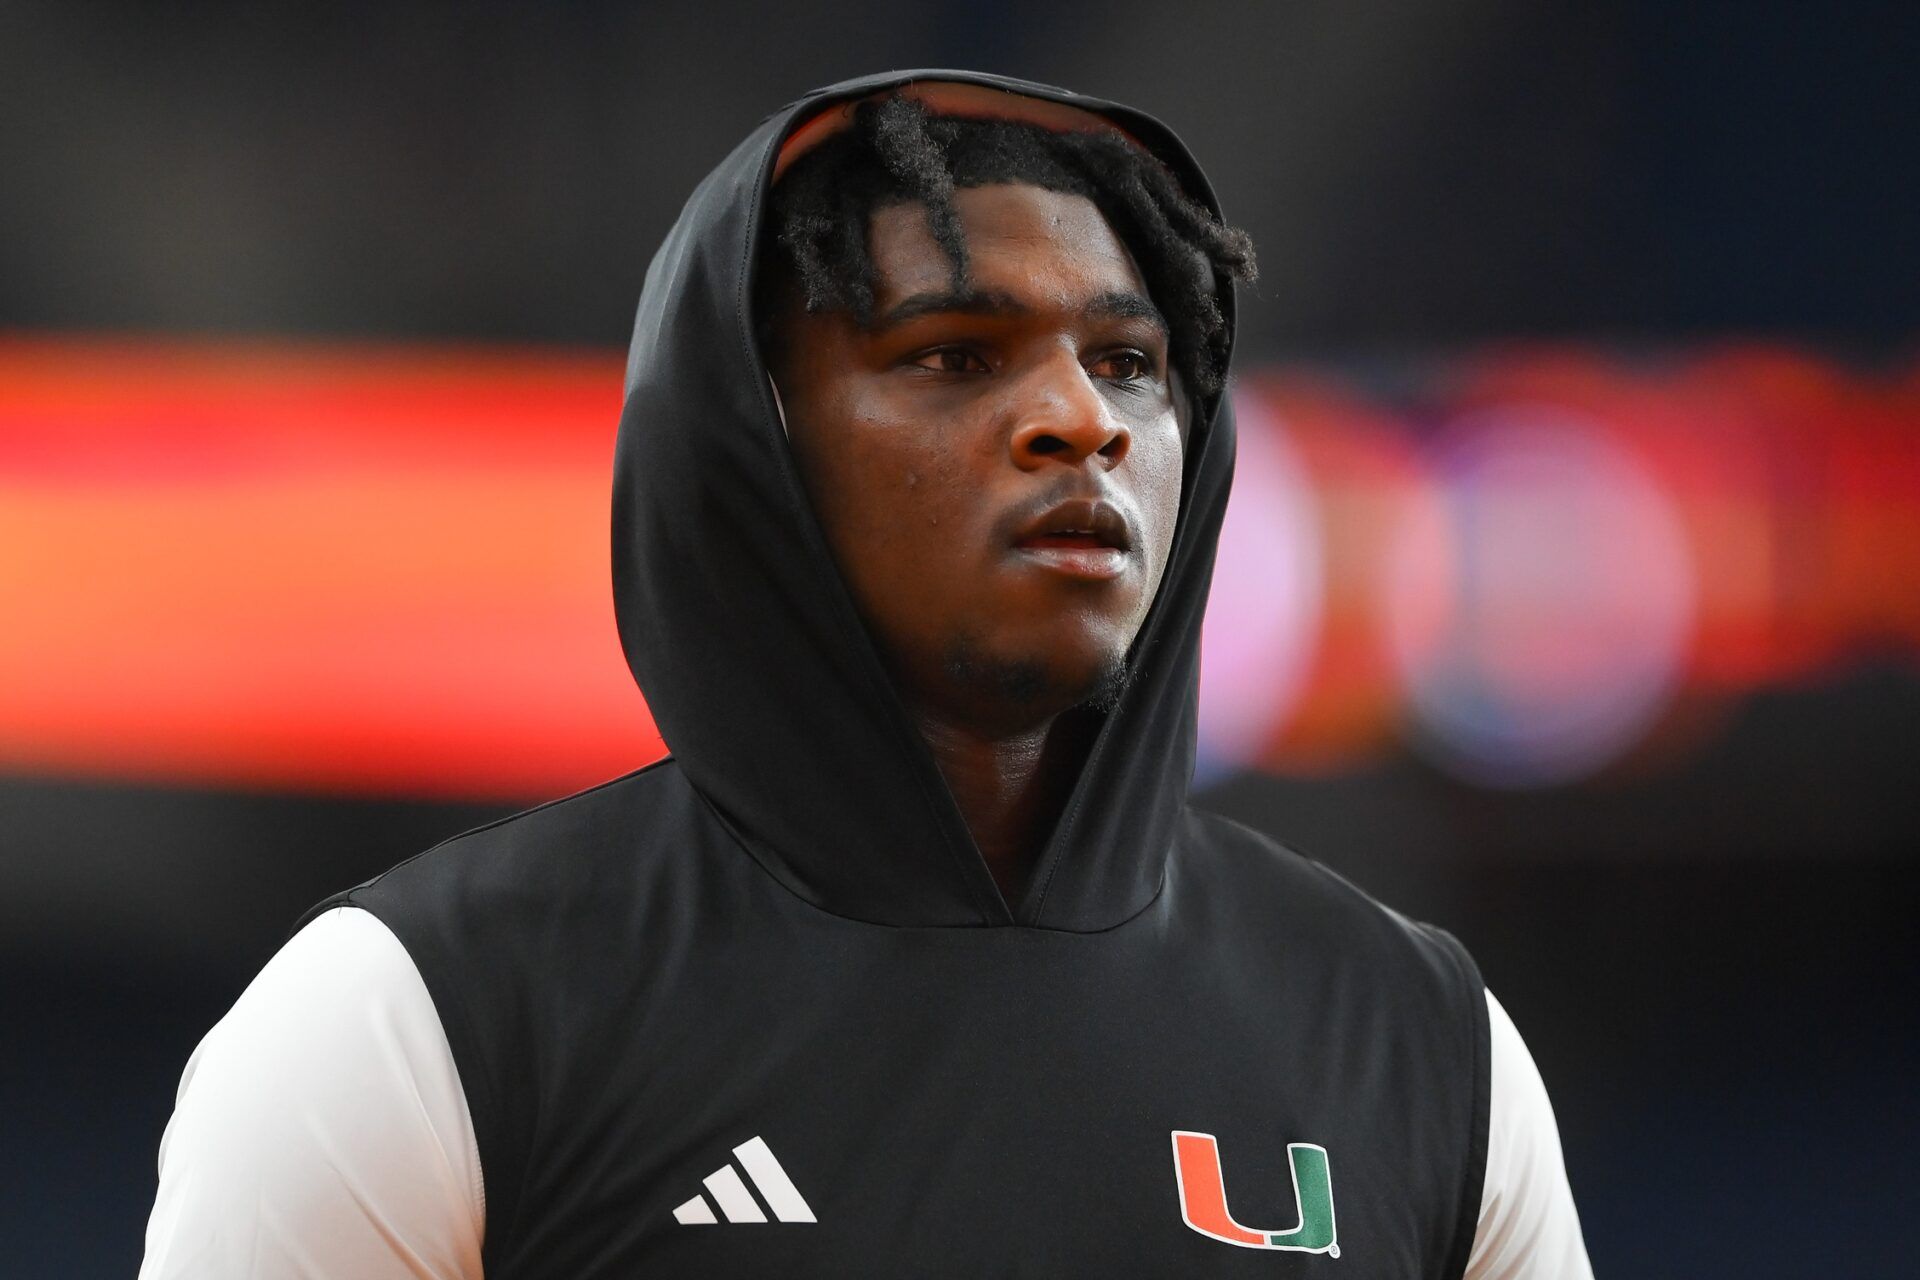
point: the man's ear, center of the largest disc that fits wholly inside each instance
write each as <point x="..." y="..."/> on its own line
<point x="1184" y="409"/>
<point x="773" y="313"/>
<point x="781" y="409"/>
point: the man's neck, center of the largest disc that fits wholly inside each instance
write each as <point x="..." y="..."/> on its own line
<point x="1010" y="788"/>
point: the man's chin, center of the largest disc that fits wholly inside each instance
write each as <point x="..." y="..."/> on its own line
<point x="1041" y="687"/>
<point x="1109" y="684"/>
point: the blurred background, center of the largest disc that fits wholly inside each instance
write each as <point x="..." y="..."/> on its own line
<point x="1570" y="596"/>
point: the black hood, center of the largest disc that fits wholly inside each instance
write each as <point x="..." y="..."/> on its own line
<point x="746" y="644"/>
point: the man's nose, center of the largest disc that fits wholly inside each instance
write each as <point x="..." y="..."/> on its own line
<point x="1062" y="417"/>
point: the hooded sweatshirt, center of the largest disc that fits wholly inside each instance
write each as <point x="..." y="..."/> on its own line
<point x="770" y="982"/>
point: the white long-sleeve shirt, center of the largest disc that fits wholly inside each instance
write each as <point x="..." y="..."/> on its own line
<point x="321" y="1131"/>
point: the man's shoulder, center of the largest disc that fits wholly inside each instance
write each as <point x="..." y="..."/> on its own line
<point x="553" y="850"/>
<point x="1285" y="894"/>
<point x="1247" y="860"/>
<point x="623" y="811"/>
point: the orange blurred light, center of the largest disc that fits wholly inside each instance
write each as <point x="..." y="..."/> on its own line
<point x="338" y="568"/>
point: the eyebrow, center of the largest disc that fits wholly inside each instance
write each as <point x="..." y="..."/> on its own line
<point x="1119" y="304"/>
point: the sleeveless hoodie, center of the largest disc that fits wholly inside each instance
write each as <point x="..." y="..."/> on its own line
<point x="760" y="1010"/>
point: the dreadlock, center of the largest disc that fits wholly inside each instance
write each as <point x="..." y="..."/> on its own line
<point x="896" y="152"/>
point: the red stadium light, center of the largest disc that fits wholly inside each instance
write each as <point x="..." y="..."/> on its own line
<point x="1372" y="492"/>
<point x="386" y="568"/>
<point x="346" y="569"/>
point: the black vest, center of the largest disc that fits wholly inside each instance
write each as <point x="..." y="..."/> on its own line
<point x="633" y="1000"/>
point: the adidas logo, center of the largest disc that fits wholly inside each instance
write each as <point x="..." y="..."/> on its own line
<point x="736" y="1202"/>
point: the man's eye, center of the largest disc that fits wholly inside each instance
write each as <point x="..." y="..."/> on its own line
<point x="950" y="360"/>
<point x="1125" y="366"/>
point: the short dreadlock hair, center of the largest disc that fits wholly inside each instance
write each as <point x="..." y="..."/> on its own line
<point x="895" y="152"/>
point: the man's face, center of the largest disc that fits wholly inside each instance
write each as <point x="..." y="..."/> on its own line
<point x="997" y="471"/>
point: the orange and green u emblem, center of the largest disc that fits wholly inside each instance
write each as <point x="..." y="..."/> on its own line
<point x="1203" y="1197"/>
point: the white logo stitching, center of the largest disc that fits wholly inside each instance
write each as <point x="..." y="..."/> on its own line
<point x="730" y="1192"/>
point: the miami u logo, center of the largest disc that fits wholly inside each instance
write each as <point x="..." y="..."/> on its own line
<point x="1203" y="1197"/>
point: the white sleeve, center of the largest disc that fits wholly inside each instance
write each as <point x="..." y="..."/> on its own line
<point x="1528" y="1229"/>
<point x="320" y="1129"/>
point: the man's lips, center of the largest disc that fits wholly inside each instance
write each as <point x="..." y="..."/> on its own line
<point x="1079" y="521"/>
<point x="1062" y="540"/>
<point x="1080" y="538"/>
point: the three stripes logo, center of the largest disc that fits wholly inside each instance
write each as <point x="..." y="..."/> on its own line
<point x="730" y="1192"/>
<point x="1203" y="1197"/>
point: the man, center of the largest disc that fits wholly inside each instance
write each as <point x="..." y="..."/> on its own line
<point x="912" y="960"/>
